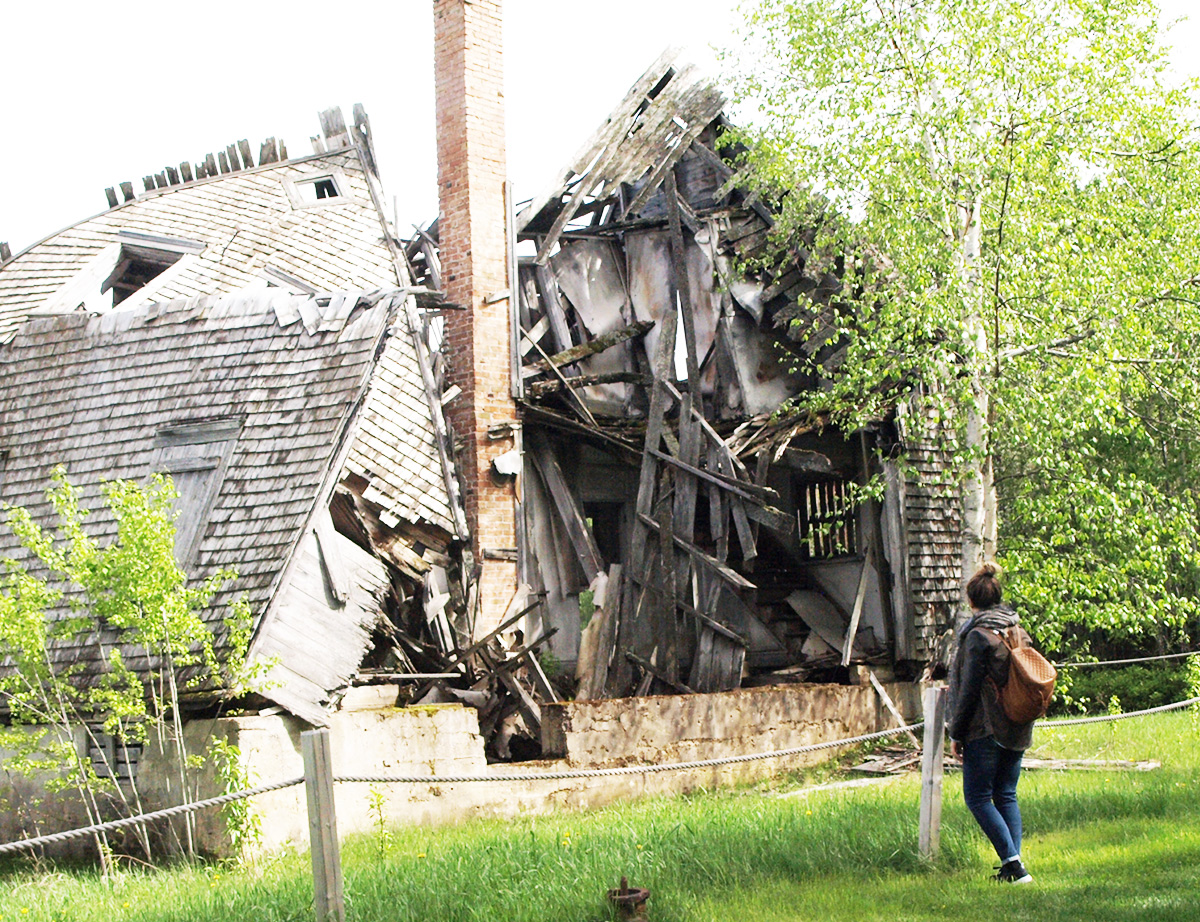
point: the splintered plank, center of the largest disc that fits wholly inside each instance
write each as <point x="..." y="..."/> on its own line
<point x="651" y="670"/>
<point x="542" y="388"/>
<point x="582" y="351"/>
<point x="568" y="509"/>
<point x="728" y="574"/>
<point x="547" y="286"/>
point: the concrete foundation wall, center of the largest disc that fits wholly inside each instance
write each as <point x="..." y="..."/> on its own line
<point x="369" y="737"/>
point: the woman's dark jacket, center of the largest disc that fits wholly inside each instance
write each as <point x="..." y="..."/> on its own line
<point x="975" y="710"/>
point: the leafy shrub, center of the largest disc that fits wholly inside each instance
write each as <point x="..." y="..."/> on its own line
<point x="1136" y="686"/>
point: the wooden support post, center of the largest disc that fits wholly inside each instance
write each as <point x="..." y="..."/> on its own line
<point x="932" y="754"/>
<point x="891" y="706"/>
<point x="859" y="598"/>
<point x="322" y="827"/>
<point x="516" y="382"/>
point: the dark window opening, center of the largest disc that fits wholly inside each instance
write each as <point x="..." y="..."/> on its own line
<point x="827" y="519"/>
<point x="136" y="268"/>
<point x="605" y="521"/>
<point x="317" y="189"/>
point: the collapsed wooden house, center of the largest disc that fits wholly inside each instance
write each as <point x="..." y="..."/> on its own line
<point x="262" y="333"/>
<point x="252" y="330"/>
<point x="689" y="533"/>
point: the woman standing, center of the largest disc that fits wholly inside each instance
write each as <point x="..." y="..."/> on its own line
<point x="988" y="744"/>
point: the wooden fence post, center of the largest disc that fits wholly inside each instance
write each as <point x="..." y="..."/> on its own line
<point x="322" y="827"/>
<point x="932" y="754"/>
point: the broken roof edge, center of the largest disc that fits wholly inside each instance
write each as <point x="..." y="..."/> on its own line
<point x="347" y="430"/>
<point x="616" y="127"/>
<point x="213" y="308"/>
<point x="156" y="193"/>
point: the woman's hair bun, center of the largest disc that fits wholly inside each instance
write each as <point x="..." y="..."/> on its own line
<point x="990" y="569"/>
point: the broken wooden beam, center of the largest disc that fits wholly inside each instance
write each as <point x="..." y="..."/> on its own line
<point x="568" y="509"/>
<point x="750" y="491"/>
<point x="582" y="351"/>
<point x="657" y="673"/>
<point x="539" y="389"/>
<point x="726" y="573"/>
<point x="463" y="655"/>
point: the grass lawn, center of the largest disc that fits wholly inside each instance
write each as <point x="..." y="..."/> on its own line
<point x="1102" y="846"/>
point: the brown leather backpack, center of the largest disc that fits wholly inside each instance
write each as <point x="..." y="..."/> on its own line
<point x="1030" y="686"/>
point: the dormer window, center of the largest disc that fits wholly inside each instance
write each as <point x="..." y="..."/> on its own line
<point x="142" y="259"/>
<point x="135" y="270"/>
<point x="312" y="190"/>
<point x="135" y="265"/>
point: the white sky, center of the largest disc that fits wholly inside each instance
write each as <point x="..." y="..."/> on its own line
<point x="100" y="92"/>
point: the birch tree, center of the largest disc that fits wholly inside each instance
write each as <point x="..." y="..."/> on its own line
<point x="1006" y="189"/>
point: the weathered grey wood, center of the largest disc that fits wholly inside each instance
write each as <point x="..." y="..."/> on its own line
<point x="568" y="509"/>
<point x="441" y="434"/>
<point x="328" y="900"/>
<point x="547" y="286"/>
<point x="210" y="164"/>
<point x="172" y="176"/>
<point x="127" y="191"/>
<point x="856" y="613"/>
<point x="111" y="194"/>
<point x="223" y="161"/>
<point x="148" y="182"/>
<point x="516" y="382"/>
<point x="593" y="672"/>
<point x="592" y="347"/>
<point x="891" y="706"/>
<point x="568" y="386"/>
<point x="748" y="491"/>
<point x="657" y="673"/>
<point x="541" y="683"/>
<point x="267" y="152"/>
<point x="539" y="389"/>
<point x="737" y="509"/>
<point x="932" y="754"/>
<point x="896" y="545"/>
<point x="185" y="171"/>
<point x="333" y="128"/>
<point x="730" y="576"/>
<point x="525" y="703"/>
<point x="682" y="286"/>
<point x="874" y="516"/>
<point x="333" y="567"/>
<point x="246" y="153"/>
<point x="463" y="655"/>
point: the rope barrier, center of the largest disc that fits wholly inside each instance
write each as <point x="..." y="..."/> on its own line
<point x="1104" y="718"/>
<point x="54" y="837"/>
<point x="627" y="769"/>
<point x="1121" y="662"/>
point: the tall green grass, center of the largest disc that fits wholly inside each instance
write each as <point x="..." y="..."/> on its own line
<point x="763" y="854"/>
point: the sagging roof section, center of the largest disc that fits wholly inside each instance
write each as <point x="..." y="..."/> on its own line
<point x="103" y="396"/>
<point x="736" y="549"/>
<point x="238" y="231"/>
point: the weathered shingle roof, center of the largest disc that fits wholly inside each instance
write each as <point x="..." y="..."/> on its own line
<point x="93" y="393"/>
<point x="245" y="222"/>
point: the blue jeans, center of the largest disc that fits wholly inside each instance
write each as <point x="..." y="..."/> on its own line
<point x="990" y="774"/>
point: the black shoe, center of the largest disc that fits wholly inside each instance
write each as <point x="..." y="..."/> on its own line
<point x="1013" y="872"/>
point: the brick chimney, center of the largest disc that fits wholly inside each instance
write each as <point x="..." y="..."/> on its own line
<point x="469" y="88"/>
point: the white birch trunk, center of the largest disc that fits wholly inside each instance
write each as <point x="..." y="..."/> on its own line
<point x="979" y="494"/>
